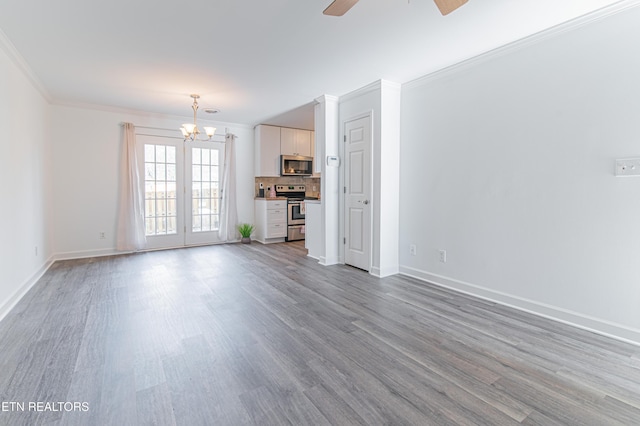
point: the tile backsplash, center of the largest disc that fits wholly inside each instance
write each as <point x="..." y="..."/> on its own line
<point x="312" y="184"/>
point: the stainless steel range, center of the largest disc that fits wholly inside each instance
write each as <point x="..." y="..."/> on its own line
<point x="295" y="211"/>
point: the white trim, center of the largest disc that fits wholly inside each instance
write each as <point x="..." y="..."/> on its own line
<point x="391" y="85"/>
<point x="84" y="254"/>
<point x="326" y="98"/>
<point x="18" y="61"/>
<point x="371" y="87"/>
<point x="535" y="38"/>
<point x="17" y="295"/>
<point x="71" y="255"/>
<point x="342" y="227"/>
<point x="565" y="316"/>
<point x="329" y="261"/>
<point x="146" y="114"/>
<point x="384" y="272"/>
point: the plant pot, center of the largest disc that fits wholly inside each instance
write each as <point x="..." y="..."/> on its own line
<point x="245" y="240"/>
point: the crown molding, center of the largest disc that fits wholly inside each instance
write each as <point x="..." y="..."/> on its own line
<point x="388" y="85"/>
<point x="147" y="114"/>
<point x="536" y="38"/>
<point x="16" y="58"/>
<point x="371" y="87"/>
<point x="324" y="99"/>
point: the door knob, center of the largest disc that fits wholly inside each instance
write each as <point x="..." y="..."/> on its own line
<point x="365" y="202"/>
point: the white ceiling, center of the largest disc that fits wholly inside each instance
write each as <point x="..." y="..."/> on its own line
<point x="257" y="61"/>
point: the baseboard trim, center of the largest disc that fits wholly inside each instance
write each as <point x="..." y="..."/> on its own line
<point x="384" y="272"/>
<point x="328" y="261"/>
<point x="70" y="255"/>
<point x="576" y="319"/>
<point x="24" y="288"/>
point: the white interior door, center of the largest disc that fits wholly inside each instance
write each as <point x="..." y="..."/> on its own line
<point x="358" y="192"/>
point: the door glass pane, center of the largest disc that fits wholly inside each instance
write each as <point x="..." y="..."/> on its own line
<point x="171" y="172"/>
<point x="149" y="153"/>
<point x="160" y="184"/>
<point x="172" y="227"/>
<point x="171" y="190"/>
<point x="149" y="171"/>
<point x="160" y="154"/>
<point x="205" y="194"/>
<point x="171" y="155"/>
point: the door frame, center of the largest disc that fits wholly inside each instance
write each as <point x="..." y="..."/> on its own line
<point x="342" y="179"/>
<point x="203" y="237"/>
<point x="157" y="136"/>
<point x="169" y="241"/>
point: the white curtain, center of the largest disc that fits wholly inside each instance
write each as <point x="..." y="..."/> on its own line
<point x="228" y="206"/>
<point x="131" y="235"/>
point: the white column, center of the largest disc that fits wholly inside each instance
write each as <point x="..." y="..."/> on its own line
<point x="327" y="144"/>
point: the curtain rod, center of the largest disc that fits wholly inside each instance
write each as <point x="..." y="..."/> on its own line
<point x="122" y="123"/>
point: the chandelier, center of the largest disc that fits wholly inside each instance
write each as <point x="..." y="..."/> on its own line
<point x="190" y="131"/>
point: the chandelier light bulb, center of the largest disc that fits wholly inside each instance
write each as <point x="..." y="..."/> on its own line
<point x="189" y="128"/>
<point x="190" y="131"/>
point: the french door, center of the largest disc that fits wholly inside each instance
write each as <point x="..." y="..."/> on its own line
<point x="182" y="192"/>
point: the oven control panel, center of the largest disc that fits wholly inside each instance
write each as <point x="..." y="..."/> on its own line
<point x="290" y="188"/>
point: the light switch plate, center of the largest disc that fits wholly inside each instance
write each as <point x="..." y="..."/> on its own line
<point x="333" y="161"/>
<point x="628" y="167"/>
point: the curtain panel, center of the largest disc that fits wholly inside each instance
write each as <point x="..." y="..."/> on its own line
<point x="228" y="207"/>
<point x="131" y="233"/>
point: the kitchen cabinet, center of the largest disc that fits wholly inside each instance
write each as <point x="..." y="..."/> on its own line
<point x="295" y="142"/>
<point x="273" y="141"/>
<point x="271" y="220"/>
<point x="267" y="150"/>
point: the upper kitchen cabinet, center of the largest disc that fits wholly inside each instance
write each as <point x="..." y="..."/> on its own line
<point x="295" y="142"/>
<point x="267" y="150"/>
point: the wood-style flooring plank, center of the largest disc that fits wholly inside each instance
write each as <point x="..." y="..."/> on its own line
<point x="263" y="335"/>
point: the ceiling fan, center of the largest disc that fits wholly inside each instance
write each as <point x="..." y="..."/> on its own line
<point x="340" y="7"/>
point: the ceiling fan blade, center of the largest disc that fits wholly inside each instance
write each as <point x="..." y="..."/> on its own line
<point x="339" y="7"/>
<point x="448" y="6"/>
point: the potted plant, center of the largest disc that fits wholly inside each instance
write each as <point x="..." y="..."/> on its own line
<point x="245" y="230"/>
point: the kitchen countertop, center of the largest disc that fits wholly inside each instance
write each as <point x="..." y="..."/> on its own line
<point x="268" y="198"/>
<point x="312" y="201"/>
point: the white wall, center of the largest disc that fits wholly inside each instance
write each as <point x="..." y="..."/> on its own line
<point x="507" y="163"/>
<point x="25" y="176"/>
<point x="85" y="175"/>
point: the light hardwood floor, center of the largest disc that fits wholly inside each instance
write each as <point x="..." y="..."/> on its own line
<point x="252" y="334"/>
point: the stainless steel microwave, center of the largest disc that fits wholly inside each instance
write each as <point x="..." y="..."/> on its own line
<point x="296" y="165"/>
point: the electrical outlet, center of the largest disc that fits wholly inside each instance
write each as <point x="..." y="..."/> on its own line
<point x="412" y="249"/>
<point x="102" y="235"/>
<point x="443" y="256"/>
<point x="628" y="167"/>
<point x="314" y="188"/>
